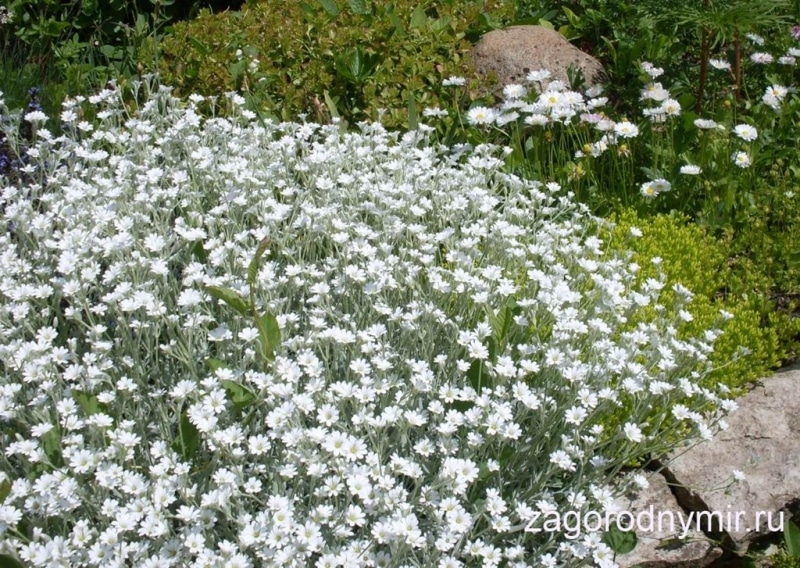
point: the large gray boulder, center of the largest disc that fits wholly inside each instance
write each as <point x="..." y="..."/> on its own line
<point x="510" y="54"/>
<point x="762" y="442"/>
<point x="664" y="541"/>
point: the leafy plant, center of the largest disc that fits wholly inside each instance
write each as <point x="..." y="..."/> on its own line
<point x="269" y="333"/>
<point x="371" y="58"/>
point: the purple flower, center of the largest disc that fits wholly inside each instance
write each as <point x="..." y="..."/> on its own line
<point x="795" y="32"/>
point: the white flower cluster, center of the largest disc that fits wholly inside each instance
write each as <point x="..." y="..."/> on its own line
<point x="456" y="346"/>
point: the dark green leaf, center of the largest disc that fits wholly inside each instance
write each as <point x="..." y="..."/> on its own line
<point x="399" y="28"/>
<point x="215" y="364"/>
<point x="199" y="252"/>
<point x="201" y="47"/>
<point x="477" y="376"/>
<point x="330" y="104"/>
<point x="188" y="441"/>
<point x="419" y="18"/>
<point x="330" y="7"/>
<point x="413" y="117"/>
<point x="51" y="444"/>
<point x="88" y="403"/>
<point x="357" y="63"/>
<point x="5" y="489"/>
<point x="269" y="335"/>
<point x="252" y="269"/>
<point x="358" y="6"/>
<point x="7" y="561"/>
<point x="791" y="534"/>
<point x="239" y="394"/>
<point x="620" y="541"/>
<point x="440" y="23"/>
<point x="229" y="297"/>
<point x="493" y="348"/>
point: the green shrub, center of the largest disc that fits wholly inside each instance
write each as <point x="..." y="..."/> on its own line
<point x="367" y="55"/>
<point x="694" y="259"/>
<point x="784" y="560"/>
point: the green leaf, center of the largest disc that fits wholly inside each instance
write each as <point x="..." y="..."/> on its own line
<point x="201" y="47"/>
<point x="574" y="20"/>
<point x="229" y="297"/>
<point x="7" y="561"/>
<point x="620" y="541"/>
<point x="188" y="441"/>
<point x="399" y="28"/>
<point x="791" y="534"/>
<point x="199" y="252"/>
<point x="252" y="269"/>
<point x="215" y="364"/>
<point x="493" y="346"/>
<point x="477" y="377"/>
<point x="331" y="105"/>
<point x="413" y="117"/>
<point x="240" y="395"/>
<point x="51" y="444"/>
<point x="330" y="7"/>
<point x="358" y="6"/>
<point x="419" y="18"/>
<point x="269" y="335"/>
<point x="440" y="23"/>
<point x="88" y="403"/>
<point x="356" y="64"/>
<point x="5" y="489"/>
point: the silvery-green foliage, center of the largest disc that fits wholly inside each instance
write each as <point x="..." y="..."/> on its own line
<point x="455" y="345"/>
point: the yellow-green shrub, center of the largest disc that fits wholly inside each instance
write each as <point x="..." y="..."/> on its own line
<point x="366" y="55"/>
<point x="691" y="257"/>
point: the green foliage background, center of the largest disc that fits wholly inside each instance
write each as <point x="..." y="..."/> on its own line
<point x="366" y="55"/>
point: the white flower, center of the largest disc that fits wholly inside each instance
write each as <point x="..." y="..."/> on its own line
<point x="481" y="116"/>
<point x="739" y="475"/>
<point x="691" y="170"/>
<point x="647" y="189"/>
<point x="633" y="432"/>
<point x="537" y="76"/>
<point x="651" y="70"/>
<point x="755" y="38"/>
<point x="655" y="92"/>
<point x="720" y="64"/>
<point x="741" y="159"/>
<point x="661" y="185"/>
<point x="562" y="460"/>
<point x="576" y="415"/>
<point x="514" y="91"/>
<point x="761" y="58"/>
<point x="625" y="129"/>
<point x="454" y="82"/>
<point x="36" y="116"/>
<point x="671" y="107"/>
<point x="536" y="120"/>
<point x="745" y="132"/>
<point x="706" y="124"/>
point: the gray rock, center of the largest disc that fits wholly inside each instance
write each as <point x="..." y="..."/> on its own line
<point x="659" y="532"/>
<point x="763" y="442"/>
<point x="513" y="52"/>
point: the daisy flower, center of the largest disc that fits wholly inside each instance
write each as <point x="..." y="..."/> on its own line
<point x="481" y="116"/>
<point x="691" y="170"/>
<point x="746" y="132"/>
<point x="741" y="159"/>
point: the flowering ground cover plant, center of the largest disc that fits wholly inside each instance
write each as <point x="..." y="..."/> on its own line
<point x="226" y="342"/>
